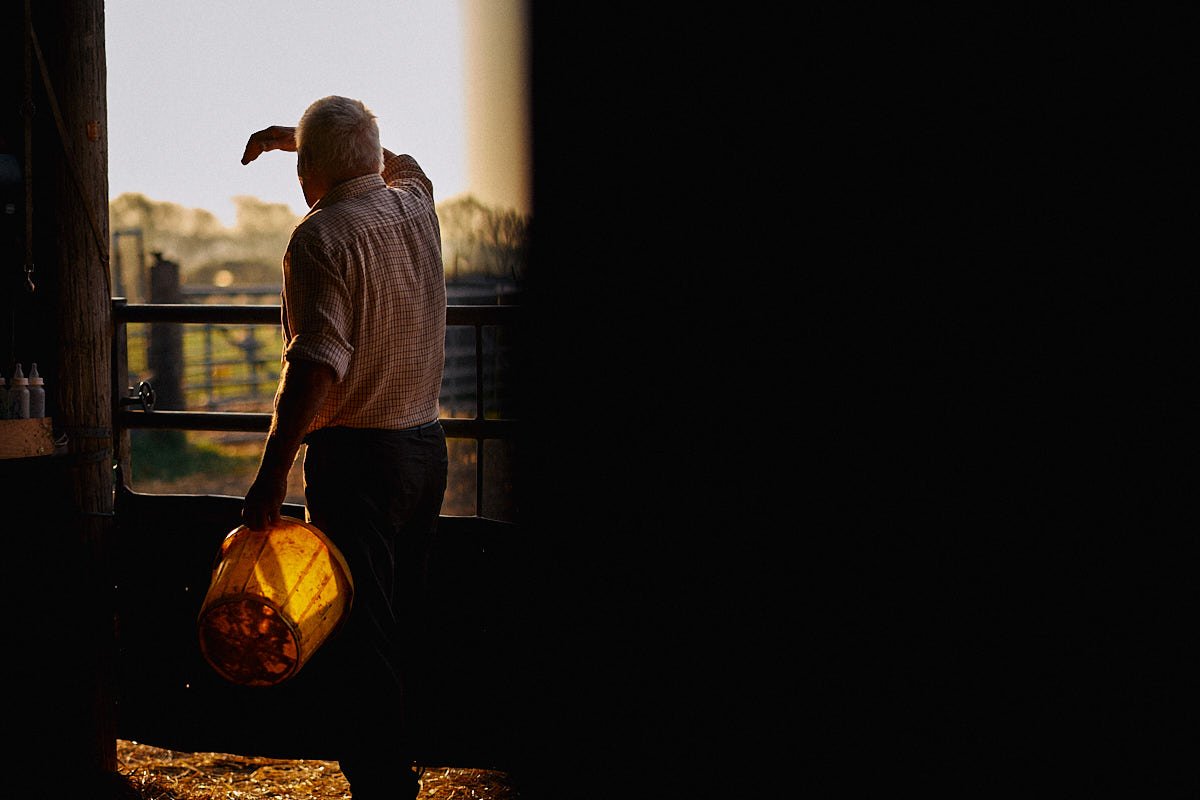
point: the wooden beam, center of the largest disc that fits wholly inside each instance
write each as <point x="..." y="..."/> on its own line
<point x="70" y="224"/>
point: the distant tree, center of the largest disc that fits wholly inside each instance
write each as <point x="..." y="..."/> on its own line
<point x="508" y="238"/>
<point x="460" y="238"/>
<point x="483" y="240"/>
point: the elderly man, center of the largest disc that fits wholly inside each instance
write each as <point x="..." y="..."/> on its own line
<point x="364" y="315"/>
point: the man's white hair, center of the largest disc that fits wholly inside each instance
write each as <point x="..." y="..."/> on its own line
<point x="338" y="136"/>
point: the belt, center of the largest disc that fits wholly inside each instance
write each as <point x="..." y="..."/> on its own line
<point x="350" y="434"/>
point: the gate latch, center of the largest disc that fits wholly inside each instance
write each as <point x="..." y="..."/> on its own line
<point x="142" y="394"/>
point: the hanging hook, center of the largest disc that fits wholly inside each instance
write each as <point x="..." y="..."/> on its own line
<point x="29" y="285"/>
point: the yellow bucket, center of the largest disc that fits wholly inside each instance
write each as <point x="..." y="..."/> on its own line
<point x="276" y="595"/>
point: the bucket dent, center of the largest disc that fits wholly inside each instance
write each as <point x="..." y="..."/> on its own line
<point x="275" y="597"/>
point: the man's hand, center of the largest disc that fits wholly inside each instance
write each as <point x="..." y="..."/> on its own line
<point x="276" y="137"/>
<point x="264" y="499"/>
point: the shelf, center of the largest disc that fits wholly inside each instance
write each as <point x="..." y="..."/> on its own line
<point x="25" y="438"/>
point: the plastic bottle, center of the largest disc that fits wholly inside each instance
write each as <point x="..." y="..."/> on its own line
<point x="37" y="394"/>
<point x="18" y="395"/>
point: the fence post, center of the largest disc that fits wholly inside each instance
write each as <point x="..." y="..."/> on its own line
<point x="164" y="355"/>
<point x="165" y="352"/>
<point x="210" y="397"/>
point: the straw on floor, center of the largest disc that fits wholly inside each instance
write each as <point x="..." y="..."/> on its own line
<point x="159" y="774"/>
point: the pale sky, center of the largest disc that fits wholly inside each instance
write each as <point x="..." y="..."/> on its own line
<point x="188" y="82"/>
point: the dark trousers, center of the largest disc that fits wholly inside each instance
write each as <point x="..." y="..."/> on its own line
<point x="377" y="494"/>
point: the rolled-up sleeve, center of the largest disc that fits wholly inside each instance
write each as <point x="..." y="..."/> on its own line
<point x="319" y="315"/>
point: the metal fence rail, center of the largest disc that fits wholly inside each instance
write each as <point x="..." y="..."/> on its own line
<point x="127" y="416"/>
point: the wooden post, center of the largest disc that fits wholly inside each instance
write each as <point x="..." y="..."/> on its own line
<point x="71" y="240"/>
<point x="164" y="356"/>
<point x="165" y="353"/>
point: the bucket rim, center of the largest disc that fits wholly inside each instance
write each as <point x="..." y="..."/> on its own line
<point x="286" y="521"/>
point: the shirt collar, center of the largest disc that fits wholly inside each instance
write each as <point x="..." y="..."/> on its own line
<point x="351" y="188"/>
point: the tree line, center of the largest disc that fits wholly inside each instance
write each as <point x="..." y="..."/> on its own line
<point x="478" y="240"/>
